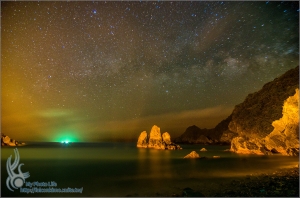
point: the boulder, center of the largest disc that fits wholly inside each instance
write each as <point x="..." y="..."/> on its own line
<point x="155" y="139"/>
<point x="193" y="154"/>
<point x="142" y="140"/>
<point x="203" y="149"/>
<point x="245" y="145"/>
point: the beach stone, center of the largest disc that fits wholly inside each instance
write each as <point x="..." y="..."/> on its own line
<point x="193" y="154"/>
<point x="142" y="140"/>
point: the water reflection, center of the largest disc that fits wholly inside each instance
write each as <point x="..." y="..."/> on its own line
<point x="153" y="163"/>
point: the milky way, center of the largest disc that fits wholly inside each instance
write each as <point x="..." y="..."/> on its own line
<point x="108" y="70"/>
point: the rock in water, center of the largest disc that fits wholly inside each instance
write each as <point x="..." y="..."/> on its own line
<point x="166" y="138"/>
<point x="193" y="154"/>
<point x="155" y="139"/>
<point x="7" y="141"/>
<point x="167" y="142"/>
<point x="142" y="141"/>
<point x="203" y="149"/>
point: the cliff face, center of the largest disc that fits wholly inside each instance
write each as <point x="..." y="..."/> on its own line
<point x="267" y="121"/>
<point x="254" y="117"/>
<point x="285" y="136"/>
<point x="156" y="140"/>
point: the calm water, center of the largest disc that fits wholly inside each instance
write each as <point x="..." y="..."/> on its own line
<point x="120" y="169"/>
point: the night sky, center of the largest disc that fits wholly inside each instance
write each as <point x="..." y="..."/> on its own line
<point x="100" y="71"/>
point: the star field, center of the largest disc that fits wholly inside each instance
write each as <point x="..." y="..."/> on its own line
<point x="108" y="70"/>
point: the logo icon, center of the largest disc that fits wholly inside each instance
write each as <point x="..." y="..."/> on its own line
<point x="15" y="180"/>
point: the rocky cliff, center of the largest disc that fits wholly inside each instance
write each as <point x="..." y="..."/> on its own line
<point x="156" y="140"/>
<point x="267" y="121"/>
<point x="7" y="141"/>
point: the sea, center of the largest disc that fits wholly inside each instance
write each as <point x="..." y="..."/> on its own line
<point x="115" y="169"/>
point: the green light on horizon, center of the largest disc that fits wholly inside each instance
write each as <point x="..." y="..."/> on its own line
<point x="66" y="137"/>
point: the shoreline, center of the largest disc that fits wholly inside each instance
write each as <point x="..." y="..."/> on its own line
<point x="283" y="182"/>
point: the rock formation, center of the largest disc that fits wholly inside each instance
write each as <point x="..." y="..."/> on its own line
<point x="7" y="141"/>
<point x="156" y="140"/>
<point x="193" y="154"/>
<point x="267" y="121"/>
<point x="203" y="149"/>
<point x="142" y="140"/>
<point x="284" y="138"/>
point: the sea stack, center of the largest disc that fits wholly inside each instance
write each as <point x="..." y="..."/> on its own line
<point x="142" y="141"/>
<point x="156" y="140"/>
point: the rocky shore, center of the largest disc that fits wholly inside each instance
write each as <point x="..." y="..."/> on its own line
<point x="281" y="183"/>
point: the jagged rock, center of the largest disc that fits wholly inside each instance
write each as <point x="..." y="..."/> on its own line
<point x="166" y="138"/>
<point x="245" y="145"/>
<point x="7" y="141"/>
<point x="142" y="140"/>
<point x="203" y="149"/>
<point x="193" y="154"/>
<point x="254" y="117"/>
<point x="284" y="138"/>
<point x="155" y="139"/>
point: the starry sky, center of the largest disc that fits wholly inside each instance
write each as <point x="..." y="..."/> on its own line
<point x="103" y="71"/>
